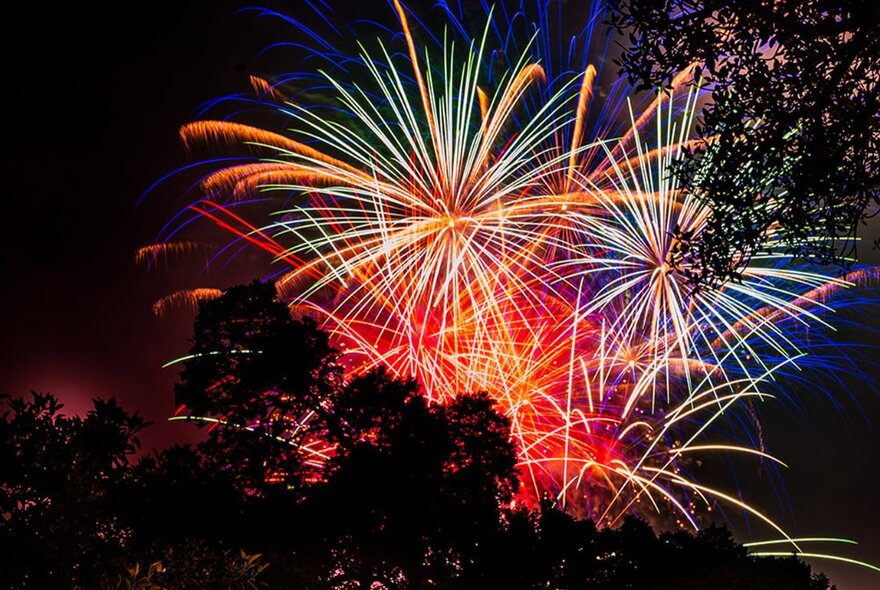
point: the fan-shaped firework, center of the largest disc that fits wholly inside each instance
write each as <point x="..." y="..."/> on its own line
<point x="479" y="235"/>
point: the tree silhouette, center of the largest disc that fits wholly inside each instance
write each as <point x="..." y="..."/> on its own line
<point x="60" y="488"/>
<point x="414" y="495"/>
<point x="261" y="376"/>
<point x="179" y="497"/>
<point x="408" y="495"/>
<point x="793" y="125"/>
<point x="402" y="491"/>
<point x="410" y="502"/>
<point x="75" y="512"/>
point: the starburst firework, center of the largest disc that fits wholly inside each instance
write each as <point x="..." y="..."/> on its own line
<point x="500" y="236"/>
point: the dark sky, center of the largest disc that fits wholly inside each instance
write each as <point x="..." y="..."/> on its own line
<point x="94" y="101"/>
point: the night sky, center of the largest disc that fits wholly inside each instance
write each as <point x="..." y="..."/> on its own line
<point x="94" y="101"/>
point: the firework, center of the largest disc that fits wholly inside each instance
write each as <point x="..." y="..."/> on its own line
<point x="504" y="232"/>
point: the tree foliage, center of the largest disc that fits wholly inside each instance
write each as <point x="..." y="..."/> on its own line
<point x="792" y="127"/>
<point x="195" y="565"/>
<point x="411" y="495"/>
<point x="61" y="479"/>
<point x="256" y="374"/>
<point x="419" y="489"/>
<point x="402" y="486"/>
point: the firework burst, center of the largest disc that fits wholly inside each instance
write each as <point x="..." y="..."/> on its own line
<point x="491" y="232"/>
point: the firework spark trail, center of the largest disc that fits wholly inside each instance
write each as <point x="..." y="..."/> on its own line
<point x="496" y="237"/>
<point x="629" y="254"/>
